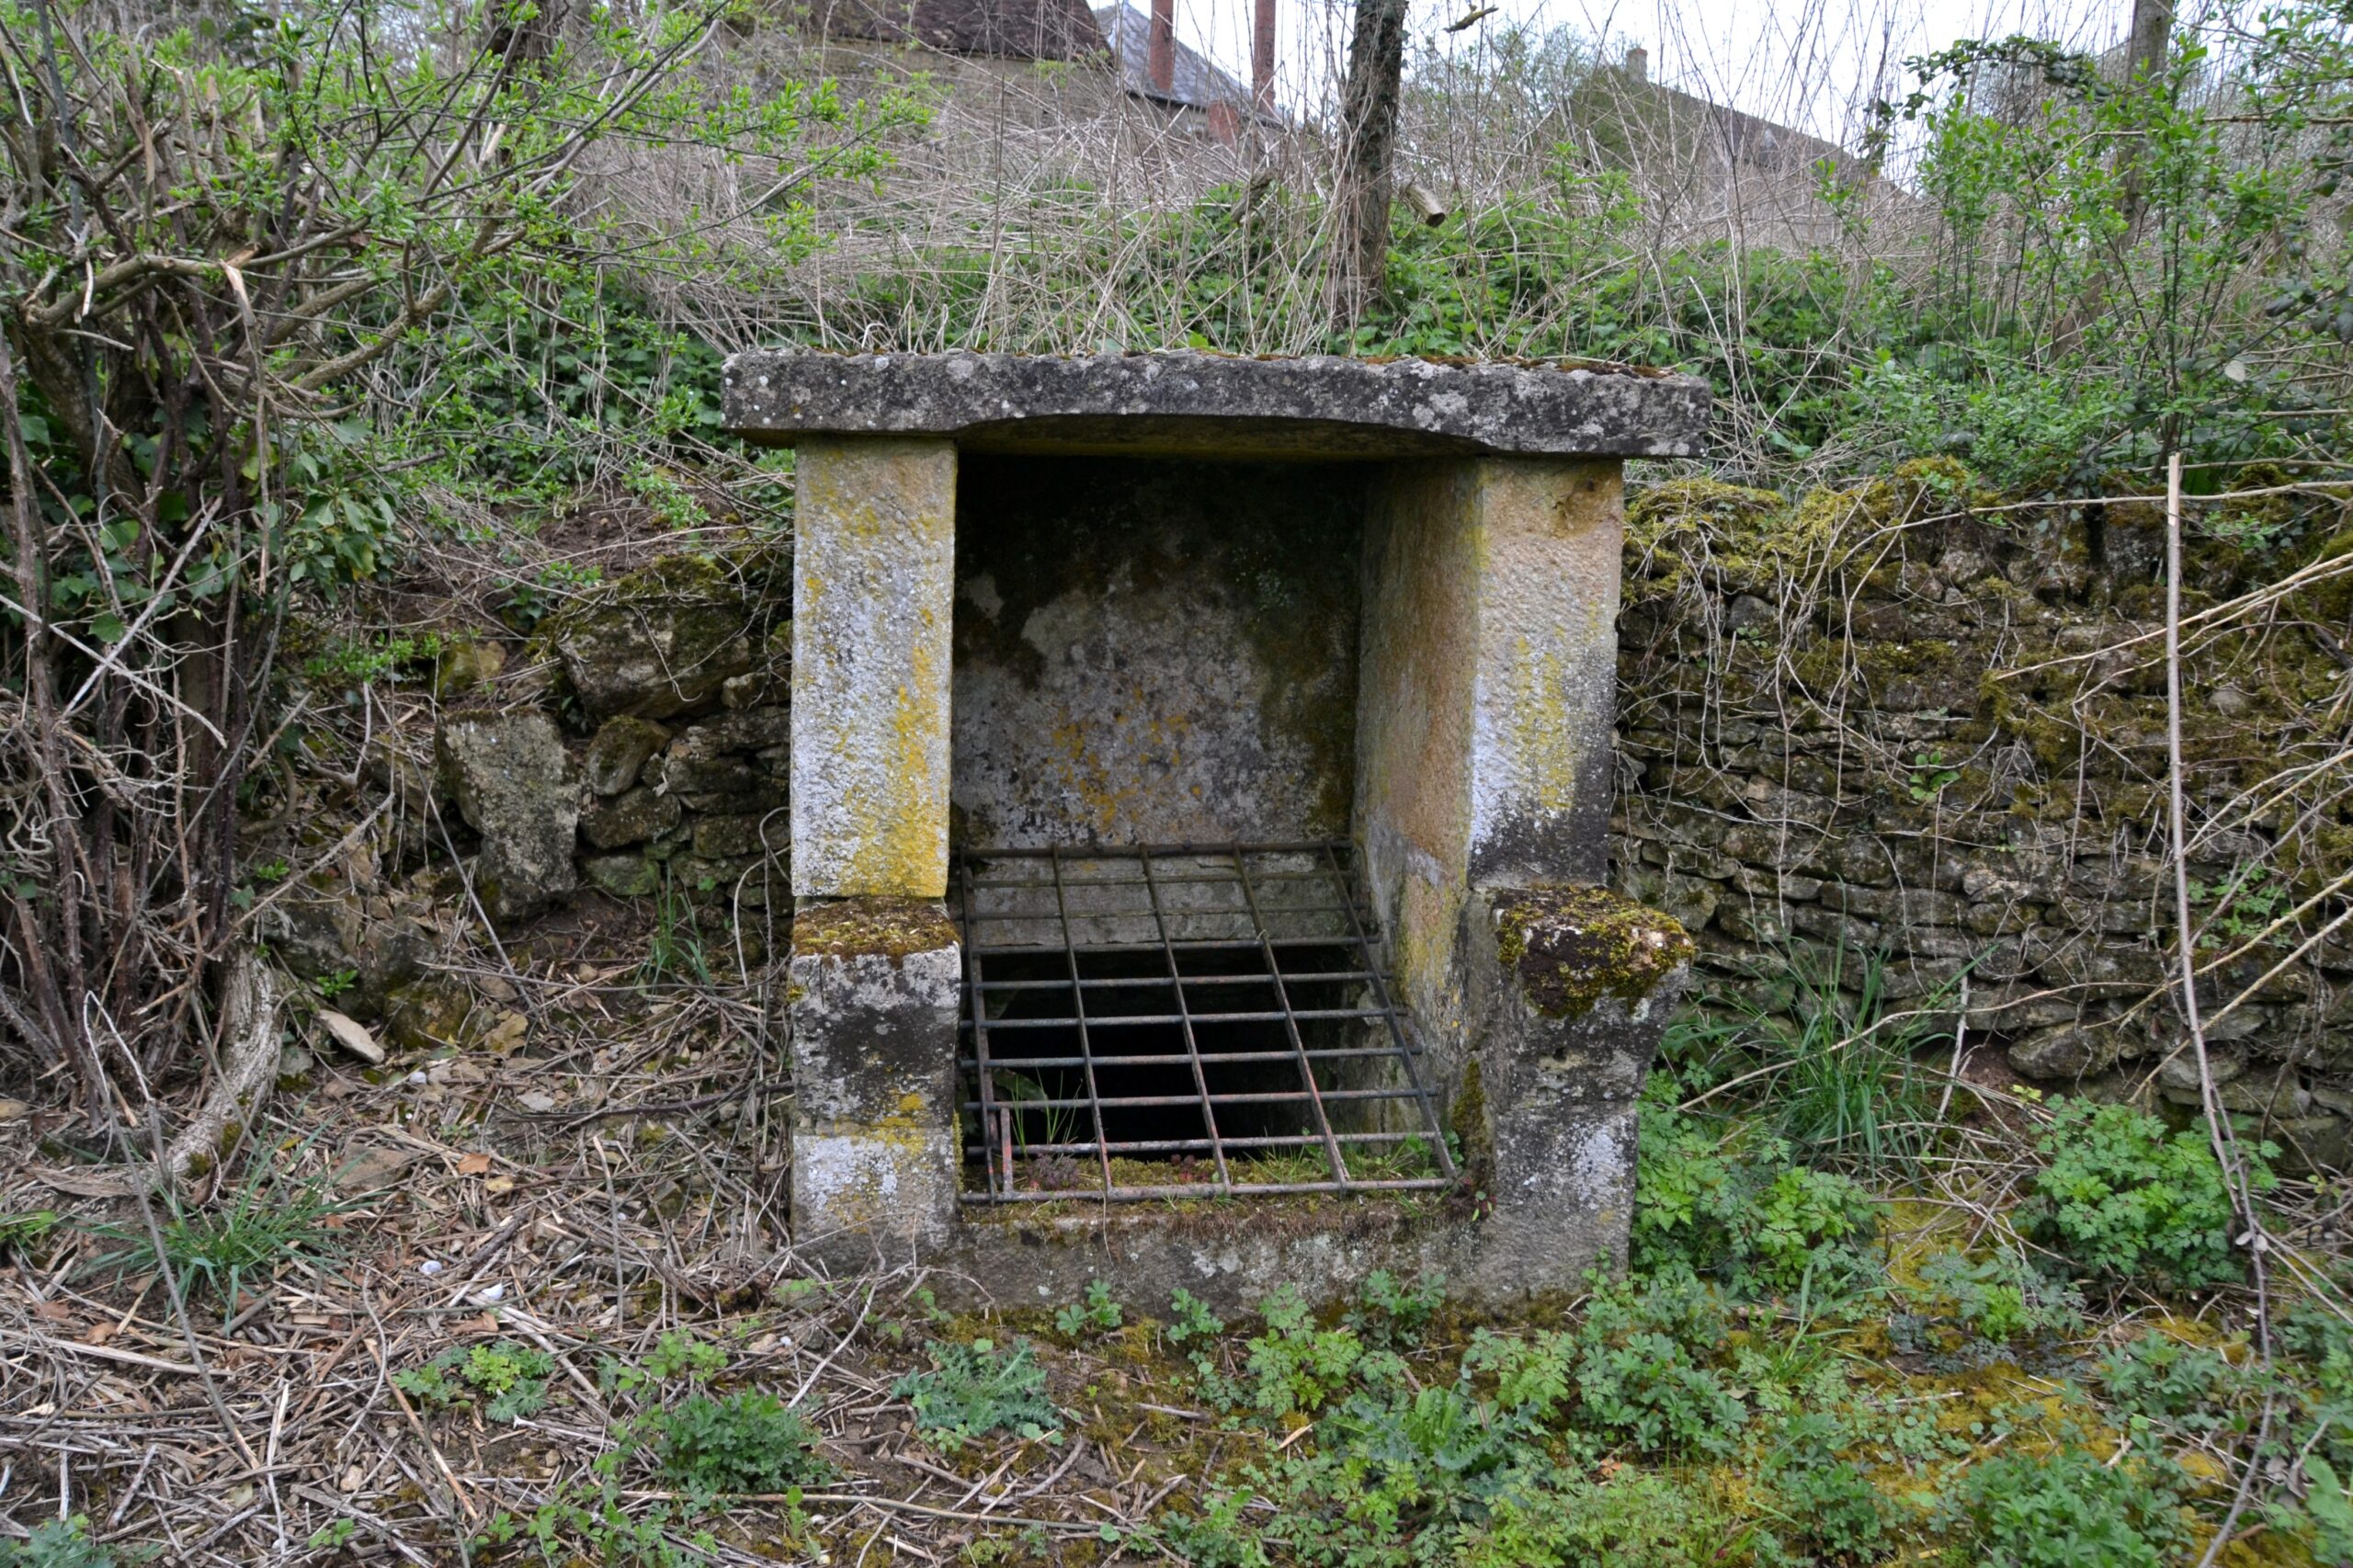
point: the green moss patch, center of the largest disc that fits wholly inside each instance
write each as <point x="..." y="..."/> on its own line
<point x="1572" y="946"/>
<point x="856" y="927"/>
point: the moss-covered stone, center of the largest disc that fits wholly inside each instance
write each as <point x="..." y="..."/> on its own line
<point x="618" y="756"/>
<point x="1573" y="946"/>
<point x="853" y="927"/>
<point x="465" y="664"/>
<point x="622" y="876"/>
<point x="664" y="640"/>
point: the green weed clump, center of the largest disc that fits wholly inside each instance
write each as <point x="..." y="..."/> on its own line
<point x="509" y="1381"/>
<point x="1731" y="1205"/>
<point x="57" y="1543"/>
<point x="736" y="1443"/>
<point x="2126" y="1201"/>
<point x="709" y="1446"/>
<point x="2068" y="1508"/>
<point x="975" y="1388"/>
<point x="1096" y="1312"/>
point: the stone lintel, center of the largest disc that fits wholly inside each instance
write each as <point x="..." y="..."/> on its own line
<point x="873" y="590"/>
<point x="1183" y="403"/>
<point x="874" y="986"/>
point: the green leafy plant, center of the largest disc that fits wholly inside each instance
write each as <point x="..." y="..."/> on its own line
<point x="2125" y="1199"/>
<point x="746" y="1442"/>
<point x="1930" y="776"/>
<point x="20" y="1233"/>
<point x="1727" y="1202"/>
<point x="335" y="1535"/>
<point x="1828" y="1507"/>
<point x="1295" y="1366"/>
<point x="2184" y="1389"/>
<point x="1389" y="1312"/>
<point x="1097" y="1312"/>
<point x="1637" y="1368"/>
<point x="2241" y="907"/>
<point x="1191" y="1319"/>
<point x="507" y="1379"/>
<point x="970" y="1390"/>
<point x="57" y="1543"/>
<point x="2065" y="1509"/>
<point x="2329" y="1502"/>
<point x="335" y="983"/>
<point x="1998" y="1297"/>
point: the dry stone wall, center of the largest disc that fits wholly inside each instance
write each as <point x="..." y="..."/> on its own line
<point x="678" y="676"/>
<point x="1869" y="734"/>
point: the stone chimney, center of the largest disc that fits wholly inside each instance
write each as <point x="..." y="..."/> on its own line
<point x="1638" y="63"/>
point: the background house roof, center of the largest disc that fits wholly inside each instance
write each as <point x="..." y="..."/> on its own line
<point x="1017" y="30"/>
<point x="1196" y="82"/>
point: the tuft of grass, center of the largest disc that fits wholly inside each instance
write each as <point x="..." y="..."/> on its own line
<point x="676" y="952"/>
<point x="266" y="1222"/>
<point x="1825" y="1058"/>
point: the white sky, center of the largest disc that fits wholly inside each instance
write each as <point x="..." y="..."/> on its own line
<point x="1814" y="64"/>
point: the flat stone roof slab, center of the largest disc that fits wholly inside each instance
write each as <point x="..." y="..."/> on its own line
<point x="1185" y="403"/>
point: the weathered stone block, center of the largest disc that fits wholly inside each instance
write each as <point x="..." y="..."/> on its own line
<point x="2065" y="1051"/>
<point x="872" y="1000"/>
<point x="618" y="754"/>
<point x="321" y="935"/>
<point x="1906" y="906"/>
<point x="2001" y="919"/>
<point x="2311" y="1144"/>
<point x="873" y="583"/>
<point x="745" y="880"/>
<point x="2013" y="1009"/>
<point x="632" y="818"/>
<point x="513" y="785"/>
<point x="433" y="1012"/>
<point x="1571" y="990"/>
<point x="657" y="642"/>
<point x="1788" y="887"/>
<point x="726" y="838"/>
<point x="1761" y="922"/>
<point x="622" y="876"/>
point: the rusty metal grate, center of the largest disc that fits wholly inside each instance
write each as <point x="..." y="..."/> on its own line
<point x="1182" y="1020"/>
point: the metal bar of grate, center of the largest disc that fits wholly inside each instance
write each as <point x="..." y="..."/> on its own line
<point x="1192" y="1045"/>
<point x="1129" y="1010"/>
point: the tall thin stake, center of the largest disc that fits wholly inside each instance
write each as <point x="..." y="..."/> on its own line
<point x="2248" y="1222"/>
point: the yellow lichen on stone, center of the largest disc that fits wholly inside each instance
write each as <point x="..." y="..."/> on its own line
<point x="873" y="567"/>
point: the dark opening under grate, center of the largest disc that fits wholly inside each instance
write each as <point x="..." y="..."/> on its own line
<point x="1181" y="1020"/>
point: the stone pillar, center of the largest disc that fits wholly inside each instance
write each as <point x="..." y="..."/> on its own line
<point x="871" y="1001"/>
<point x="1572" y="988"/>
<point x="1485" y="712"/>
<point x="873" y="583"/>
<point x="1548" y="541"/>
<point x="876" y="974"/>
<point x="1484" y="745"/>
